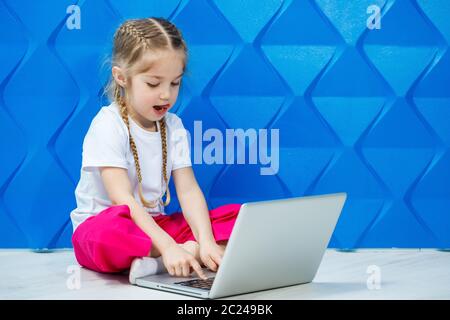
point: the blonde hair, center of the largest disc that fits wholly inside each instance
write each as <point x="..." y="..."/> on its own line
<point x="131" y="40"/>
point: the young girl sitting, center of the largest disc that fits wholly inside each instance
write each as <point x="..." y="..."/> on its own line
<point x="132" y="148"/>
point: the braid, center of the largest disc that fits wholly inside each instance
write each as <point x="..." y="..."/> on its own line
<point x="124" y="114"/>
<point x="129" y="29"/>
<point x="131" y="40"/>
<point x="162" y="125"/>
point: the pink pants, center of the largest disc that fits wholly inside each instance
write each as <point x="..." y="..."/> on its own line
<point x="110" y="240"/>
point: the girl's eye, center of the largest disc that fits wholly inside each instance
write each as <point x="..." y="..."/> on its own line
<point x="155" y="85"/>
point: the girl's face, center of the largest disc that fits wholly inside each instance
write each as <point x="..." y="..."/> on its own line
<point x="157" y="86"/>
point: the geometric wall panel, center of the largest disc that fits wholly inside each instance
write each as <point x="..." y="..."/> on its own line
<point x="361" y="103"/>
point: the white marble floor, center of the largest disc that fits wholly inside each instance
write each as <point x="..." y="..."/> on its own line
<point x="364" y="274"/>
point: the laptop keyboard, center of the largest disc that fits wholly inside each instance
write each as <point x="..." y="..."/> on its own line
<point x="198" y="283"/>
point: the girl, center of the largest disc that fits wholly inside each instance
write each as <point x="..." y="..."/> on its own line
<point x="130" y="151"/>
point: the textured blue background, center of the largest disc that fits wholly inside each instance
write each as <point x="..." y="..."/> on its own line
<point x="361" y="111"/>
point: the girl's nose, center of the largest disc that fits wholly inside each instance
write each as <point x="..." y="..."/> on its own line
<point x="165" y="94"/>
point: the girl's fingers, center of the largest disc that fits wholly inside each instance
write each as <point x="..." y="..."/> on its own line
<point x="217" y="259"/>
<point x="178" y="270"/>
<point x="198" y="269"/>
<point x="186" y="269"/>
<point x="210" y="263"/>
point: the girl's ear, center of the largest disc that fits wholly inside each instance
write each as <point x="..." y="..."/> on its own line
<point x="119" y="76"/>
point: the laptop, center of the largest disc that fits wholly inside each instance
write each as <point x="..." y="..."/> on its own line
<point x="273" y="244"/>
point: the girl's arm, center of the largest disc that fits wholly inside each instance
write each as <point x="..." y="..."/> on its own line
<point x="177" y="260"/>
<point x="118" y="186"/>
<point x="193" y="204"/>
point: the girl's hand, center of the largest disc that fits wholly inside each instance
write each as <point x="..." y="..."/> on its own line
<point x="211" y="254"/>
<point x="178" y="262"/>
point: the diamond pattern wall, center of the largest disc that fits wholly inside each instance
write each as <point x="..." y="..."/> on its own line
<point x="359" y="109"/>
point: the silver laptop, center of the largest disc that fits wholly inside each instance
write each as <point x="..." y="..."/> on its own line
<point x="273" y="244"/>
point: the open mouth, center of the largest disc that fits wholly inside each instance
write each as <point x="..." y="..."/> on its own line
<point x="161" y="108"/>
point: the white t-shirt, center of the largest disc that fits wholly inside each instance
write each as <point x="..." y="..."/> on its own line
<point x="107" y="144"/>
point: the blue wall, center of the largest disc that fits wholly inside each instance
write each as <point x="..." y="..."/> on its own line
<point x="360" y="110"/>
